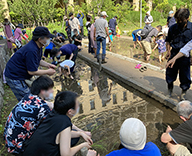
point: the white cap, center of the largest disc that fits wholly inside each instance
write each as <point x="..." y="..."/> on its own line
<point x="133" y="134"/>
<point x="103" y="13"/>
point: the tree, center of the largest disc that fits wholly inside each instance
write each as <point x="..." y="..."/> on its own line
<point x="2" y="11"/>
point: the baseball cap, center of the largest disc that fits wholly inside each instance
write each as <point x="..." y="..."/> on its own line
<point x="103" y="13"/>
<point x="133" y="134"/>
<point x="42" y="31"/>
<point x="65" y="17"/>
<point x="171" y="12"/>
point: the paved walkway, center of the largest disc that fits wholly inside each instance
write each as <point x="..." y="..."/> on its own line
<point x="151" y="82"/>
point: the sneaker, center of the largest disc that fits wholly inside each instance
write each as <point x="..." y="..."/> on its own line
<point x="103" y="61"/>
<point x="183" y="95"/>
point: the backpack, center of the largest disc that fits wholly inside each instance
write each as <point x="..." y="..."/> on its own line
<point x="145" y="32"/>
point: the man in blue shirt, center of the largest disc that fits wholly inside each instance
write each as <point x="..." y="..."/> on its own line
<point x="112" y="25"/>
<point x="80" y="16"/>
<point x="133" y="140"/>
<point x="171" y="19"/>
<point x="178" y="36"/>
<point x="25" y="62"/>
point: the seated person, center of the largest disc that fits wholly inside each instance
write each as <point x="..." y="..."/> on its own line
<point x="59" y="37"/>
<point x="27" y="114"/>
<point x="133" y="140"/>
<point x="53" y="136"/>
<point x="183" y="133"/>
<point x="48" y="49"/>
<point x="77" y="38"/>
<point x="69" y="50"/>
<point x="66" y="68"/>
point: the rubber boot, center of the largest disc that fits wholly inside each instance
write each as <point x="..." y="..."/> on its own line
<point x="170" y="89"/>
<point x="183" y="95"/>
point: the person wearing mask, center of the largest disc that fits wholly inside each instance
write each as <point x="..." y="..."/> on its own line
<point x="8" y="33"/>
<point x="80" y="16"/>
<point x="178" y="36"/>
<point x="27" y="114"/>
<point x="53" y="136"/>
<point x="74" y="23"/>
<point x="112" y="25"/>
<point x="100" y="34"/>
<point x="171" y="19"/>
<point x="182" y="134"/>
<point x="148" y="19"/>
<point x="25" y="62"/>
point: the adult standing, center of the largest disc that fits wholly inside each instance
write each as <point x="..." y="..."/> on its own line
<point x="8" y="33"/>
<point x="148" y="19"/>
<point x="18" y="33"/>
<point x="178" y="36"/>
<point x="100" y="34"/>
<point x="80" y="16"/>
<point x="93" y="42"/>
<point x="25" y="62"/>
<point x="171" y="19"/>
<point x="112" y="25"/>
<point x="74" y="23"/>
<point x="68" y="29"/>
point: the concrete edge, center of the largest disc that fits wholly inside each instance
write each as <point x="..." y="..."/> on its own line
<point x="152" y="67"/>
<point x="132" y="83"/>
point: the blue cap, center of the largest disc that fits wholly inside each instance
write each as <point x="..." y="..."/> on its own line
<point x="110" y="31"/>
<point x="42" y="31"/>
<point x="171" y="12"/>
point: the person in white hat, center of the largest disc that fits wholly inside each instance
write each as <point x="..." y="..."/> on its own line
<point x="100" y="34"/>
<point x="171" y="19"/>
<point x="148" y="19"/>
<point x="133" y="140"/>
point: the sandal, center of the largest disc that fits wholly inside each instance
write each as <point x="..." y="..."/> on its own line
<point x="143" y="69"/>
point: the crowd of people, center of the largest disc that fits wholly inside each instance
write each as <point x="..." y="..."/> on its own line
<point x="38" y="127"/>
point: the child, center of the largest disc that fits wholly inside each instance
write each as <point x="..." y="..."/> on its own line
<point x="48" y="50"/>
<point x="161" y="44"/>
<point x="66" y="68"/>
<point x="111" y="37"/>
<point x="77" y="38"/>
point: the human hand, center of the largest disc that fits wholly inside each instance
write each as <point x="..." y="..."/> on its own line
<point x="170" y="63"/>
<point x="52" y="66"/>
<point x="92" y="153"/>
<point x="50" y="71"/>
<point x="86" y="144"/>
<point x="86" y="138"/>
<point x="153" y="50"/>
<point x="169" y="129"/>
<point x="109" y="40"/>
<point x="88" y="133"/>
<point x="168" y="56"/>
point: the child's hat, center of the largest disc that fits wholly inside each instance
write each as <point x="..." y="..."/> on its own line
<point x="110" y="31"/>
<point x="160" y="33"/>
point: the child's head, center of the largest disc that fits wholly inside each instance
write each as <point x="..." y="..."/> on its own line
<point x="110" y="32"/>
<point x="43" y="87"/>
<point x="160" y="35"/>
<point x="66" y="103"/>
<point x="55" y="32"/>
<point x="56" y="52"/>
<point x="89" y="18"/>
<point x="75" y="31"/>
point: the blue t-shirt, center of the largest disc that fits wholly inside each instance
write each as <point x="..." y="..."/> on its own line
<point x="111" y="37"/>
<point x="50" y="46"/>
<point x="25" y="59"/>
<point x="150" y="149"/>
<point x="68" y="49"/>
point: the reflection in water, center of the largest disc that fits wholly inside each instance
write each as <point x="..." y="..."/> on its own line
<point x="103" y="116"/>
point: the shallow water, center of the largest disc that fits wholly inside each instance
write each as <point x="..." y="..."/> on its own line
<point x="105" y="103"/>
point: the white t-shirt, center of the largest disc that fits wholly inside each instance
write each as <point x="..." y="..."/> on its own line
<point x="67" y="63"/>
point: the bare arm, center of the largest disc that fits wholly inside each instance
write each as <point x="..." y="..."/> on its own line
<point x="71" y="56"/>
<point x="155" y="47"/>
<point x="172" y="61"/>
<point x="76" y="128"/>
<point x="48" y="65"/>
<point x="67" y="68"/>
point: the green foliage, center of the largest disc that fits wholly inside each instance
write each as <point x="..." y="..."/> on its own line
<point x="2" y="11"/>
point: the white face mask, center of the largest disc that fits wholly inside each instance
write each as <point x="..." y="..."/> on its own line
<point x="50" y="97"/>
<point x="47" y="43"/>
<point x="76" y="112"/>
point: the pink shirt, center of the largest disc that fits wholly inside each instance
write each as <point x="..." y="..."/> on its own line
<point x="18" y="33"/>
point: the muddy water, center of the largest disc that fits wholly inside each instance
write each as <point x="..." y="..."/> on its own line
<point x="105" y="103"/>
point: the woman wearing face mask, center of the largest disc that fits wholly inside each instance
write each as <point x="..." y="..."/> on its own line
<point x="27" y="114"/>
<point x="8" y="33"/>
<point x="25" y="63"/>
<point x="53" y="136"/>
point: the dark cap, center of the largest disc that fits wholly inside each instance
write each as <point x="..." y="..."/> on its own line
<point x="42" y="31"/>
<point x="70" y="14"/>
<point x="20" y="26"/>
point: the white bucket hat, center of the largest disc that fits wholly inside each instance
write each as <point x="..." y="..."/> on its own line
<point x="133" y="134"/>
